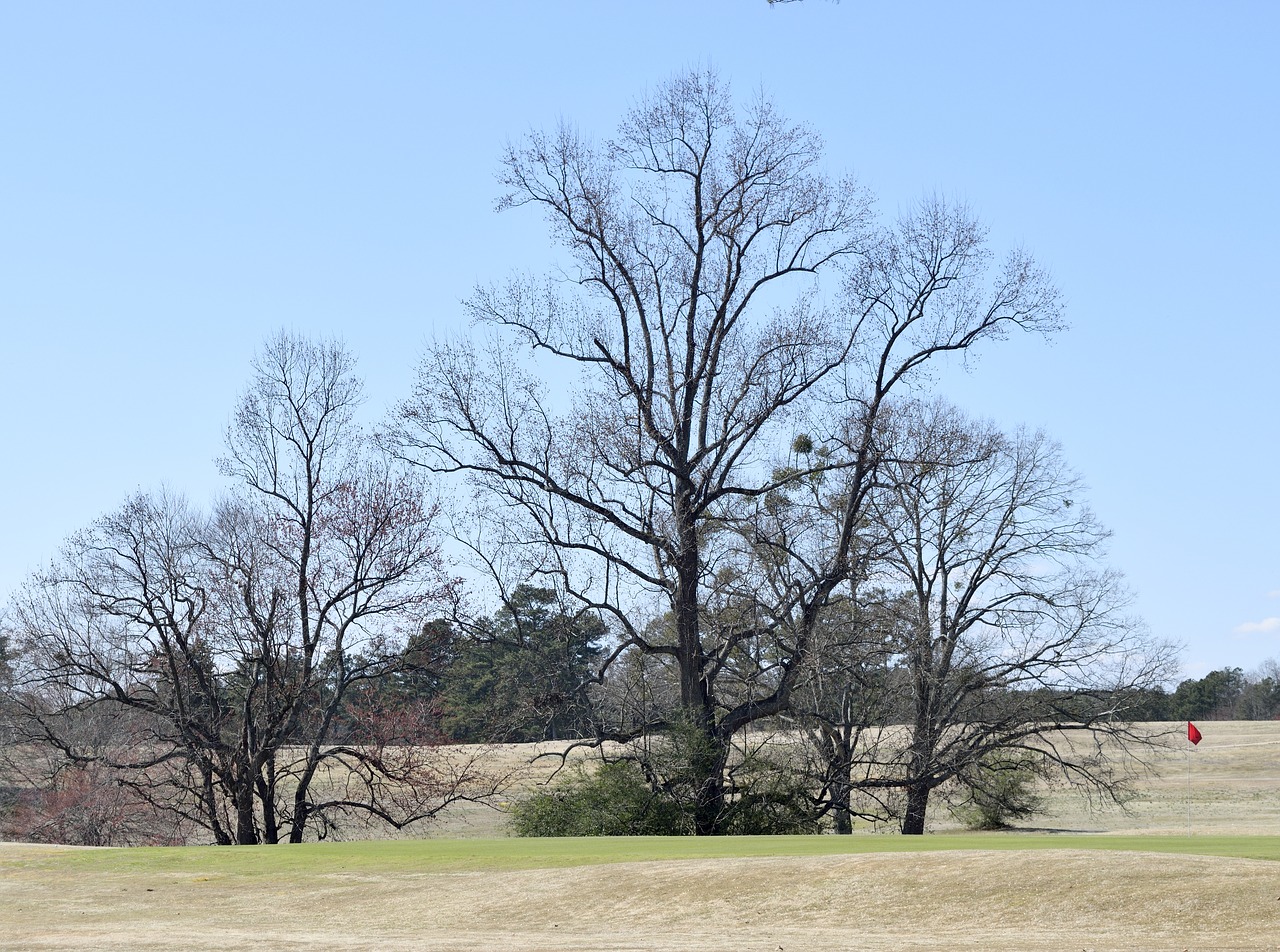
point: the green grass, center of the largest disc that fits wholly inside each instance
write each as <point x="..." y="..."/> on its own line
<point x="430" y="856"/>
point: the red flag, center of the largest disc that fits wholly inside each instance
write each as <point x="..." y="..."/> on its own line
<point x="1193" y="734"/>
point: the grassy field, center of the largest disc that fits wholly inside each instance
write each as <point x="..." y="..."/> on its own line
<point x="1137" y="882"/>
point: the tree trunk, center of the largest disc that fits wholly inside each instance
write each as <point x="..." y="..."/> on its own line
<point x="707" y="760"/>
<point x="707" y="751"/>
<point x="926" y="675"/>
<point x="841" y="784"/>
<point x="837" y="752"/>
<point x="246" y="829"/>
<point x="917" y="804"/>
<point x="301" y="804"/>
<point x="265" y="782"/>
<point x="209" y="805"/>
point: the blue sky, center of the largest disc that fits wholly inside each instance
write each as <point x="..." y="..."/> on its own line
<point x="178" y="181"/>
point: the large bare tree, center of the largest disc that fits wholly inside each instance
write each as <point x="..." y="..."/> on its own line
<point x="1014" y="637"/>
<point x="720" y="293"/>
<point x="223" y="652"/>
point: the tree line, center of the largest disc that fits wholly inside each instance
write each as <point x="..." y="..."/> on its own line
<point x="1229" y="694"/>
<point x="699" y="474"/>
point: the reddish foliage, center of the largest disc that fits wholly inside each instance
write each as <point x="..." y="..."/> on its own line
<point x="84" y="806"/>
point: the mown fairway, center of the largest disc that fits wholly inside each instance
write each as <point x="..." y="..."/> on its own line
<point x="1217" y="889"/>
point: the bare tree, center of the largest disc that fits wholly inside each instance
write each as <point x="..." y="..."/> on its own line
<point x="1260" y="699"/>
<point x="224" y="649"/>
<point x="1014" y="637"/>
<point x="8" y="733"/>
<point x="692" y="335"/>
<point x="848" y="704"/>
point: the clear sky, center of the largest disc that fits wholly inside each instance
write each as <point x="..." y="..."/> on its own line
<point x="178" y="181"/>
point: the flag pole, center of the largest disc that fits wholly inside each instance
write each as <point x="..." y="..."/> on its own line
<point x="1188" y="788"/>
<point x="1193" y="738"/>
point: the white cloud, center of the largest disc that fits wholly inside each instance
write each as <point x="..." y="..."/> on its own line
<point x="1267" y="624"/>
<point x="1274" y="593"/>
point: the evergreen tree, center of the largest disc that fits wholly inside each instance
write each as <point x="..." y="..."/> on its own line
<point x="522" y="676"/>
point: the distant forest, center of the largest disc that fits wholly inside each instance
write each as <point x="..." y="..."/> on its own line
<point x="1228" y="694"/>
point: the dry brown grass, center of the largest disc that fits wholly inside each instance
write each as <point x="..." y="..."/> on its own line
<point x="1231" y="788"/>
<point x="975" y="900"/>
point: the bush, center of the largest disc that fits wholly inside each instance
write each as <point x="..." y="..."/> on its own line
<point x="84" y="806"/>
<point x="613" y="800"/>
<point x="770" y="802"/>
<point x="998" y="789"/>
<point x="617" y="799"/>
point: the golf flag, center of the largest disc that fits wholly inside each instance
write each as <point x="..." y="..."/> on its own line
<point x="1193" y="734"/>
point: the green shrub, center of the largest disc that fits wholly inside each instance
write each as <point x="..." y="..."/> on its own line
<point x="998" y="789"/>
<point x="617" y="799"/>
<point x="769" y="801"/>
<point x="613" y="800"/>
